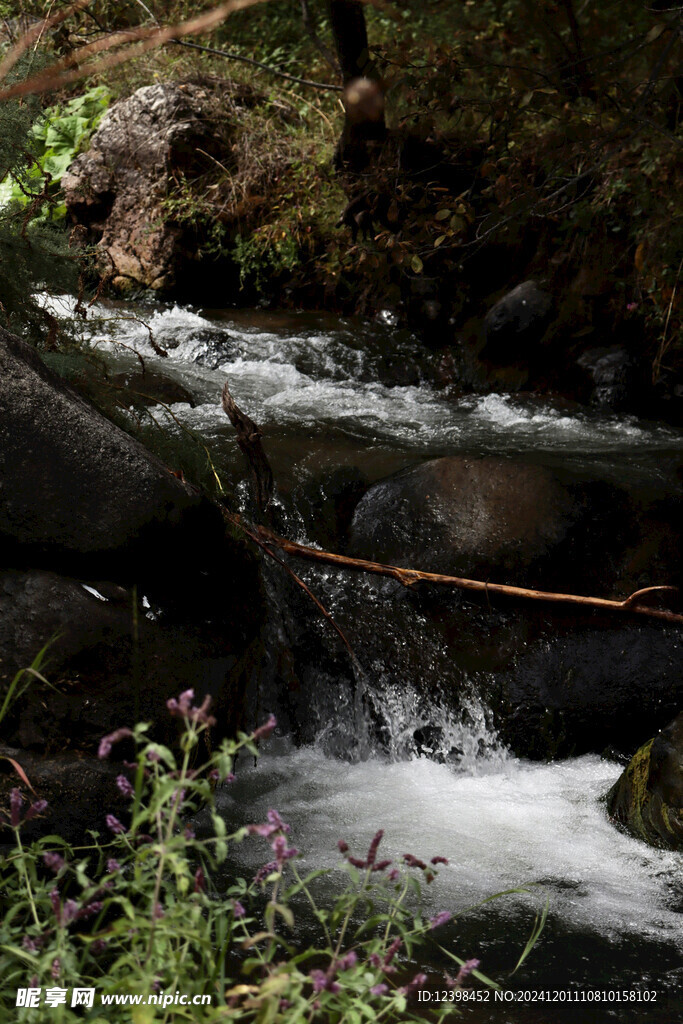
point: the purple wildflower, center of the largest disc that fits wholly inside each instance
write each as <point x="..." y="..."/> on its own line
<point x="124" y="786"/>
<point x="199" y="880"/>
<point x="237" y="909"/>
<point x="379" y="990"/>
<point x="275" y="819"/>
<point x="282" y="851"/>
<point x="390" y="954"/>
<point x="113" y="866"/>
<point x="107" y="742"/>
<point x="70" y="912"/>
<point x="190" y="833"/>
<point x="56" y="905"/>
<point x="439" y="860"/>
<point x="347" y="961"/>
<point x="381" y="865"/>
<point x="266" y="870"/>
<point x="15" y="802"/>
<point x="30" y="944"/>
<point x="36" y="808"/>
<point x="275" y="824"/>
<point x="158" y="911"/>
<point x="417" y="982"/>
<point x="53" y="861"/>
<point x="264" y="731"/>
<point x="414" y="862"/>
<point x="394" y="875"/>
<point x="464" y="972"/>
<point x="440" y="919"/>
<point x="89" y="910"/>
<point x="114" y="824"/>
<point x="343" y="847"/>
<point x="56" y="968"/>
<point x="98" y="946"/>
<point x="322" y="981"/>
<point x="183" y="708"/>
<point x="372" y="851"/>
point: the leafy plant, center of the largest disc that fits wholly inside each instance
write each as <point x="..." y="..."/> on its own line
<point x="56" y="138"/>
<point x="144" y="914"/>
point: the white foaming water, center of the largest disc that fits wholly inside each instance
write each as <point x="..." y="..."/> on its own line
<point x="501" y="822"/>
<point x="294" y="378"/>
<point x="523" y="824"/>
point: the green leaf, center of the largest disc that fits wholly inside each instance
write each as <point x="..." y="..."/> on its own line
<point x="442" y="214"/>
<point x="416" y="264"/>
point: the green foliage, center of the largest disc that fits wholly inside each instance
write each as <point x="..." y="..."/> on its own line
<point x="55" y="139"/>
<point x="146" y="910"/>
<point x="267" y="253"/>
<point x="36" y="147"/>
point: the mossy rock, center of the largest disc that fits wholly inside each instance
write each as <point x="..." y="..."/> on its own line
<point x="647" y="799"/>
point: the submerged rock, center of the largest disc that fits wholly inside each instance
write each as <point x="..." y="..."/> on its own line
<point x="76" y="490"/>
<point x="647" y="799"/>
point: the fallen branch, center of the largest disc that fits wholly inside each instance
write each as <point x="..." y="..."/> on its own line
<point x="249" y="440"/>
<point x="409" y="577"/>
<point x="236" y="521"/>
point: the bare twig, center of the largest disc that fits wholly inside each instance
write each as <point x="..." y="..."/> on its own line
<point x="237" y="521"/>
<point x="309" y="83"/>
<point x="249" y="440"/>
<point x="409" y="577"/>
<point x="315" y="38"/>
<point x="133" y="43"/>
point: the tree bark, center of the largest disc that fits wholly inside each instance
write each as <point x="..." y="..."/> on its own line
<point x="364" y="125"/>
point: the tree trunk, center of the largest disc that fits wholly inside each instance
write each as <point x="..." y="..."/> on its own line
<point x="364" y="127"/>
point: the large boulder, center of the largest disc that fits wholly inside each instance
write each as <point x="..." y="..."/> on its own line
<point x="77" y="491"/>
<point x="488" y="517"/>
<point x="142" y="147"/>
<point x="647" y="799"/>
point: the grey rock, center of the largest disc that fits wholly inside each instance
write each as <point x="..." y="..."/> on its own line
<point x="116" y="189"/>
<point x="464" y="516"/>
<point x="517" y="322"/>
<point x="75" y="487"/>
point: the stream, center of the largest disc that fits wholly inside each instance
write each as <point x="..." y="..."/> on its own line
<point x="341" y="405"/>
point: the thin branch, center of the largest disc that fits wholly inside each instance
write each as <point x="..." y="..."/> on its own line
<point x="315" y="38"/>
<point x="409" y="577"/>
<point x="237" y="521"/>
<point x="34" y="33"/>
<point x="146" y="38"/>
<point x="257" y="64"/>
<point x="249" y="440"/>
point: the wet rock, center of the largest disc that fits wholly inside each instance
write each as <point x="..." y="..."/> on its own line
<point x="517" y="322"/>
<point x="37" y="607"/>
<point x="586" y="684"/>
<point x="465" y="516"/>
<point x="80" y="792"/>
<point x="76" y="490"/>
<point x="117" y="188"/>
<point x="647" y="799"/>
<point x="114" y="657"/>
<point x="613" y="375"/>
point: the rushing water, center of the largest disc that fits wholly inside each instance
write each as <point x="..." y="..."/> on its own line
<point x="332" y="394"/>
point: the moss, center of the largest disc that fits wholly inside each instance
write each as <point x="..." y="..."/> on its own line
<point x="640" y="809"/>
